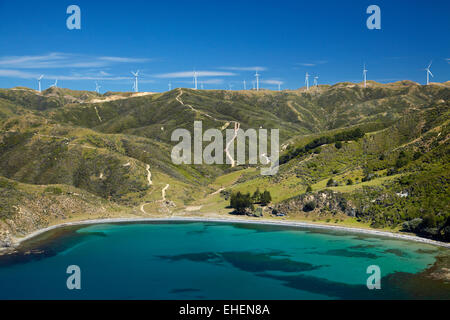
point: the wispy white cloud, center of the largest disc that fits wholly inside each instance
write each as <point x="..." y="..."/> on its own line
<point x="17" y="74"/>
<point x="259" y="68"/>
<point x="124" y="59"/>
<point x="272" y="81"/>
<point x="74" y="76"/>
<point x="212" y="81"/>
<point x="190" y="74"/>
<point x="448" y="60"/>
<point x="88" y="67"/>
<point x="59" y="60"/>
<point x="311" y="64"/>
<point x="200" y="81"/>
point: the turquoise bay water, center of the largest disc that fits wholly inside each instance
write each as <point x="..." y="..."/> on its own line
<point x="216" y="261"/>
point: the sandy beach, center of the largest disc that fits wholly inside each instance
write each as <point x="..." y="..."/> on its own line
<point x="18" y="241"/>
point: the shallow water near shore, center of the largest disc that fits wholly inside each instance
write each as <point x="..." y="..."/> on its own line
<point x="205" y="260"/>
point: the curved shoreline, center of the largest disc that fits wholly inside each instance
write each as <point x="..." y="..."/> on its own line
<point x="304" y="225"/>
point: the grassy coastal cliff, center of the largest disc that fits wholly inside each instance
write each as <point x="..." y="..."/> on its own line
<point x="375" y="157"/>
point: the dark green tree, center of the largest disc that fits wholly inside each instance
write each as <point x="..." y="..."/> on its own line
<point x="240" y="202"/>
<point x="256" y="196"/>
<point x="330" y="183"/>
<point x="266" y="198"/>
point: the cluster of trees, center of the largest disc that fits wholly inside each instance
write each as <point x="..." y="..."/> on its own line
<point x="243" y="201"/>
<point x="401" y="161"/>
<point x="262" y="198"/>
<point x="424" y="209"/>
<point x="332" y="183"/>
<point x="349" y="135"/>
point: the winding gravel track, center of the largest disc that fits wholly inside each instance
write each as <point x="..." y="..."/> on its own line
<point x="149" y="175"/>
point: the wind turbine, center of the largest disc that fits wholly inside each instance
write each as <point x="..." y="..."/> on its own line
<point x="39" y="82"/>
<point x="365" y="76"/>
<point x="429" y="73"/>
<point x="97" y="87"/>
<point x="245" y="85"/>
<point x="315" y="81"/>
<point x="195" y="80"/>
<point x="170" y="85"/>
<point x="55" y="85"/>
<point x="136" y="75"/>
<point x="257" y="80"/>
<point x="307" y="81"/>
<point x="279" y="86"/>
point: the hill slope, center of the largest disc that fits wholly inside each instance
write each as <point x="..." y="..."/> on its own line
<point x="376" y="155"/>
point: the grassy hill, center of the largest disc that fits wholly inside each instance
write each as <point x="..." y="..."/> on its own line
<point x="115" y="149"/>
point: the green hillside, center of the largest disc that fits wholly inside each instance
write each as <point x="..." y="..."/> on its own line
<point x="374" y="157"/>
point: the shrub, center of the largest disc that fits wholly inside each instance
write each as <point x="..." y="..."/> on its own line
<point x="309" y="206"/>
<point x="429" y="221"/>
<point x="7" y="184"/>
<point x="412" y="225"/>
<point x="308" y="189"/>
<point x="54" y="190"/>
<point x="256" y="197"/>
<point x="401" y="162"/>
<point x="391" y="172"/>
<point x="417" y="155"/>
<point x="330" y="183"/>
<point x="265" y="198"/>
<point x="368" y="177"/>
<point x="349" y="182"/>
<point x="338" y="145"/>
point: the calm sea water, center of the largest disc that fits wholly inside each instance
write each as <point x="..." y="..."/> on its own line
<point x="216" y="261"/>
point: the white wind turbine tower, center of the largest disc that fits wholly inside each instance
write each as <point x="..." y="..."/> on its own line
<point x="257" y="80"/>
<point x="245" y="85"/>
<point x="307" y="81"/>
<point x="315" y="81"/>
<point x="39" y="82"/>
<point x="170" y="85"/>
<point x="365" y="75"/>
<point x="195" y="80"/>
<point x="135" y="85"/>
<point x="279" y="86"/>
<point x="97" y="87"/>
<point x="55" y="85"/>
<point x="429" y="73"/>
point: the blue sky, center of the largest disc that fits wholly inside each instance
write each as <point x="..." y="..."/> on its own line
<point x="223" y="40"/>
